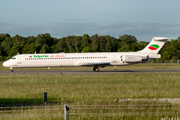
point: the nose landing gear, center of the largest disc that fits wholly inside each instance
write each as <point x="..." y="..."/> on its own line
<point x="11" y="69"/>
<point x="96" y="69"/>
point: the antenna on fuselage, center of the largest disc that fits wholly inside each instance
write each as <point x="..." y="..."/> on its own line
<point x="18" y="53"/>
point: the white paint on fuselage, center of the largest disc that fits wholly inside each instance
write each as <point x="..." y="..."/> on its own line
<point x="67" y="59"/>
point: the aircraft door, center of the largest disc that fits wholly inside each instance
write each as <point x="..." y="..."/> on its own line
<point x="19" y="61"/>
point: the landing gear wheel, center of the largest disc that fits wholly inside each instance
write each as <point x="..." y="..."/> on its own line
<point x="11" y="70"/>
<point x="96" y="69"/>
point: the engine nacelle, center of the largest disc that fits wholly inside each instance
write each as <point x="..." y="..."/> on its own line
<point x="131" y="58"/>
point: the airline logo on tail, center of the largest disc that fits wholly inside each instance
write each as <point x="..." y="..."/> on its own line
<point x="154" y="47"/>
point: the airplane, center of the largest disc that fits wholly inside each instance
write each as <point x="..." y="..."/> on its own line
<point x="95" y="60"/>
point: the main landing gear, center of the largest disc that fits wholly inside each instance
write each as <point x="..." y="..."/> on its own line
<point x="96" y="69"/>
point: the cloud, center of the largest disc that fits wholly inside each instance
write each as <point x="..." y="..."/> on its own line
<point x="23" y="30"/>
<point x="142" y="31"/>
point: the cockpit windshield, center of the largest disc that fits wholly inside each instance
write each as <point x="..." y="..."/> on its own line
<point x="13" y="58"/>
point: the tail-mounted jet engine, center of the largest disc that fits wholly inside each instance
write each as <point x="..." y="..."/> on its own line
<point x="132" y="58"/>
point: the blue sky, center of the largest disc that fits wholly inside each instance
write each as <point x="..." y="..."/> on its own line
<point x="143" y="19"/>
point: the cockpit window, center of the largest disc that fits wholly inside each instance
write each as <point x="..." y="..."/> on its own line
<point x="13" y="58"/>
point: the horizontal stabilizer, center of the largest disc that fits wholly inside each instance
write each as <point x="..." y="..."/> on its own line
<point x="161" y="38"/>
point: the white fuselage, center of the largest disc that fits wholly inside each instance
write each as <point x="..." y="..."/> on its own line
<point x="69" y="59"/>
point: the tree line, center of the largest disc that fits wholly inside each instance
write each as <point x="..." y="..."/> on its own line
<point x="44" y="43"/>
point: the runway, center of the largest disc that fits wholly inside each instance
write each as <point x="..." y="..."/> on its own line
<point x="70" y="72"/>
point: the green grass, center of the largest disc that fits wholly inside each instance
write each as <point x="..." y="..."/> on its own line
<point x="90" y="90"/>
<point x="111" y="86"/>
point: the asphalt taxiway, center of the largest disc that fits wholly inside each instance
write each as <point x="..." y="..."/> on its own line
<point x="86" y="71"/>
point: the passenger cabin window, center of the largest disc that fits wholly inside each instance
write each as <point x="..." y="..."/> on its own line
<point x="95" y="57"/>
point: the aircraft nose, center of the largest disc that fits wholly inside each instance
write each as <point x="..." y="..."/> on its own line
<point x="6" y="64"/>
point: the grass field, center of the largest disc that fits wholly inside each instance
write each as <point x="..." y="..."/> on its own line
<point x="95" y="94"/>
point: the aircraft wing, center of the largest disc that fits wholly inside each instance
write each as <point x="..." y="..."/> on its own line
<point x="94" y="64"/>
